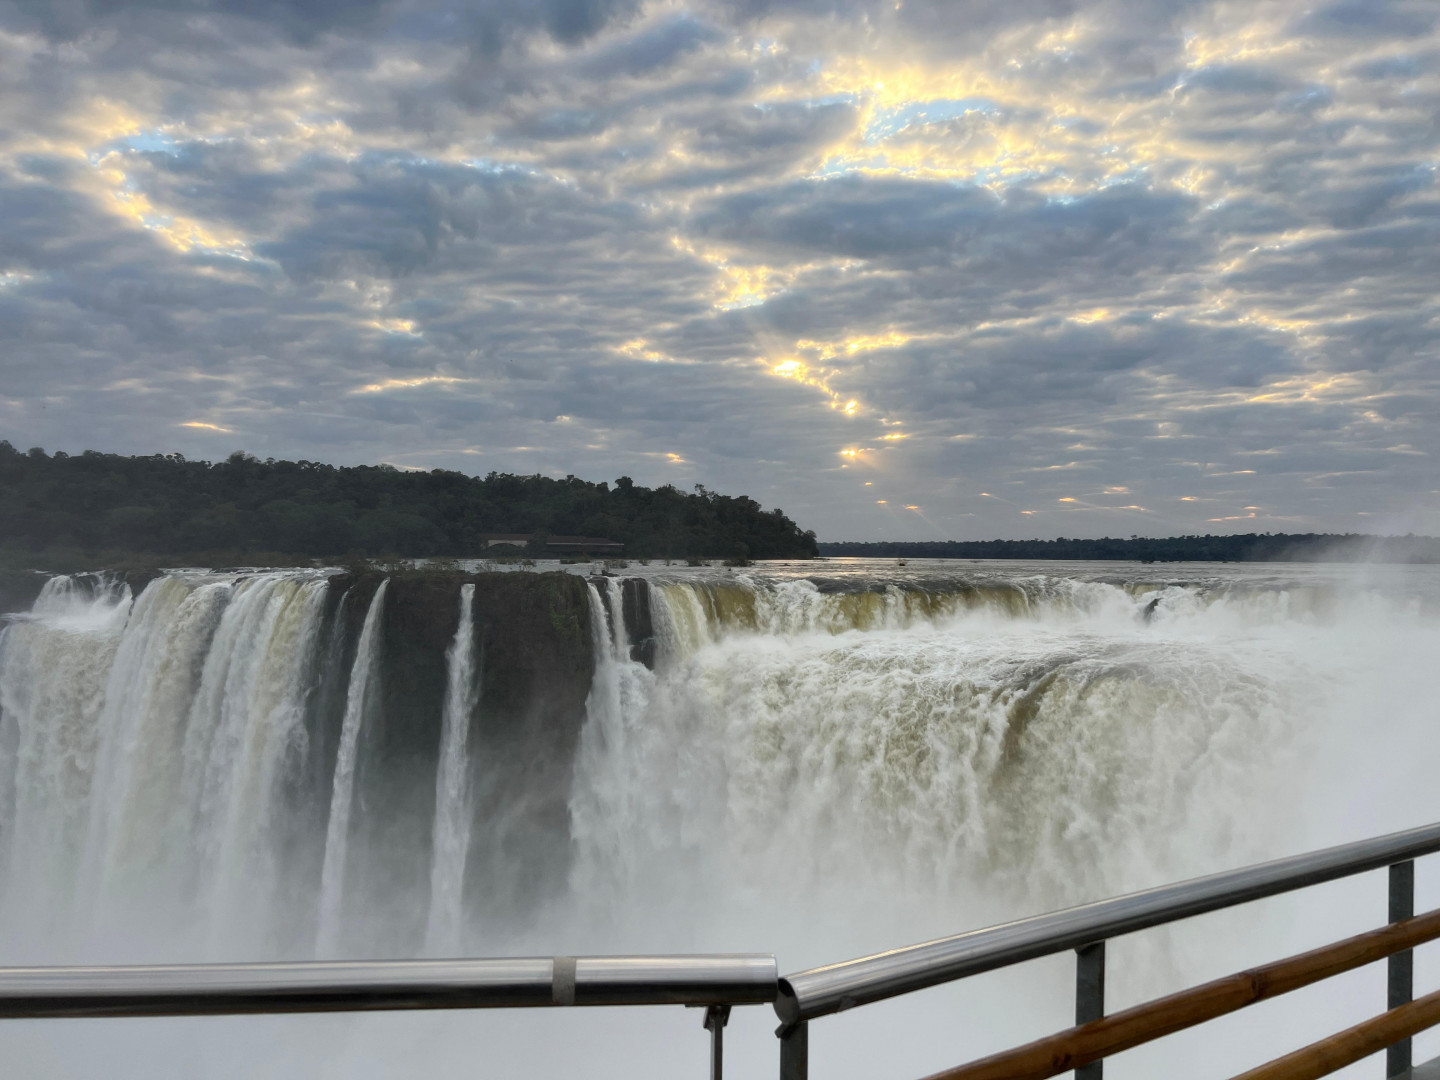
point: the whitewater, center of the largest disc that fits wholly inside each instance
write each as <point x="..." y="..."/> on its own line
<point x="816" y="759"/>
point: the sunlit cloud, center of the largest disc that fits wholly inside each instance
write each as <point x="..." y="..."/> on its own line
<point x="799" y="371"/>
<point x="201" y="425"/>
<point x="396" y="326"/>
<point x="863" y="343"/>
<point x="184" y="233"/>
<point x="386" y="385"/>
<point x="640" y="349"/>
<point x="747" y="286"/>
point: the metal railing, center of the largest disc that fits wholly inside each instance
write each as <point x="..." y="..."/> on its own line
<point x="718" y="982"/>
<point x="715" y="982"/>
<point x="822" y="991"/>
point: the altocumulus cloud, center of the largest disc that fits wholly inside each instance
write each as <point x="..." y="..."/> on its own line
<point x="1049" y="267"/>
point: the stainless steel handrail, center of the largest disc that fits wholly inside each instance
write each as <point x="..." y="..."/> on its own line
<point x="715" y="981"/>
<point x="206" y="989"/>
<point x="829" y="989"/>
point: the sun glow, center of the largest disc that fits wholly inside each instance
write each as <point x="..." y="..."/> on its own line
<point x="408" y="384"/>
<point x="829" y="350"/>
<point x="797" y="370"/>
<point x="182" y="233"/>
<point x="396" y="326"/>
<point x="640" y="349"/>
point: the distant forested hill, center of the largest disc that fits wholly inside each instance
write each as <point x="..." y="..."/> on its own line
<point x="1245" y="547"/>
<point x="165" y="505"/>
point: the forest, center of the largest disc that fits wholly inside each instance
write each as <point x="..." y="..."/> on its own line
<point x="243" y="508"/>
<point x="1241" y="547"/>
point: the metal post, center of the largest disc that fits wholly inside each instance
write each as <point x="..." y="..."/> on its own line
<point x="1402" y="964"/>
<point x="795" y="1051"/>
<point x="1090" y="997"/>
<point x="716" y="1017"/>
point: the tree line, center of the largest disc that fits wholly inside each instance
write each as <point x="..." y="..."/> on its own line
<point x="1241" y="547"/>
<point x="166" y="505"/>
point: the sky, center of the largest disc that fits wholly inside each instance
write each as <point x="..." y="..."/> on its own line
<point x="918" y="269"/>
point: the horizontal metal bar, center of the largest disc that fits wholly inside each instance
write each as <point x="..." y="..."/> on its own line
<point x="207" y="989"/>
<point x="825" y="990"/>
<point x="744" y="979"/>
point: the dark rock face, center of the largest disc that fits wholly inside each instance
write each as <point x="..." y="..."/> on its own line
<point x="639" y="626"/>
<point x="398" y="754"/>
<point x="536" y="661"/>
<point x="19" y="588"/>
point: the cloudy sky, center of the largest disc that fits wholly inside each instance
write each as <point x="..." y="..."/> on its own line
<point x="912" y="269"/>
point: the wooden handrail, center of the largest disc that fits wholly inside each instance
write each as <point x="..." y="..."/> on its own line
<point x="1353" y="1044"/>
<point x="1133" y="1027"/>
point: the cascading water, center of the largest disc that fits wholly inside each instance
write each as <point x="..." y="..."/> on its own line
<point x="452" y="802"/>
<point x="936" y="738"/>
<point x="818" y="764"/>
<point x="53" y="668"/>
<point x="342" y="791"/>
<point x="190" y="710"/>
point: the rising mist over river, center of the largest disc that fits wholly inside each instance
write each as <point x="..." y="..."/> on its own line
<point x="814" y="759"/>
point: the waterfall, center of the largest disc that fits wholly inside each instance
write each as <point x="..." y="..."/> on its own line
<point x="609" y="797"/>
<point x="974" y="745"/>
<point x="150" y="742"/>
<point x="260" y="738"/>
<point x="452" y="791"/>
<point x="139" y="766"/>
<point x="821" y="760"/>
<point x="54" y="662"/>
<point x="337" y="832"/>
